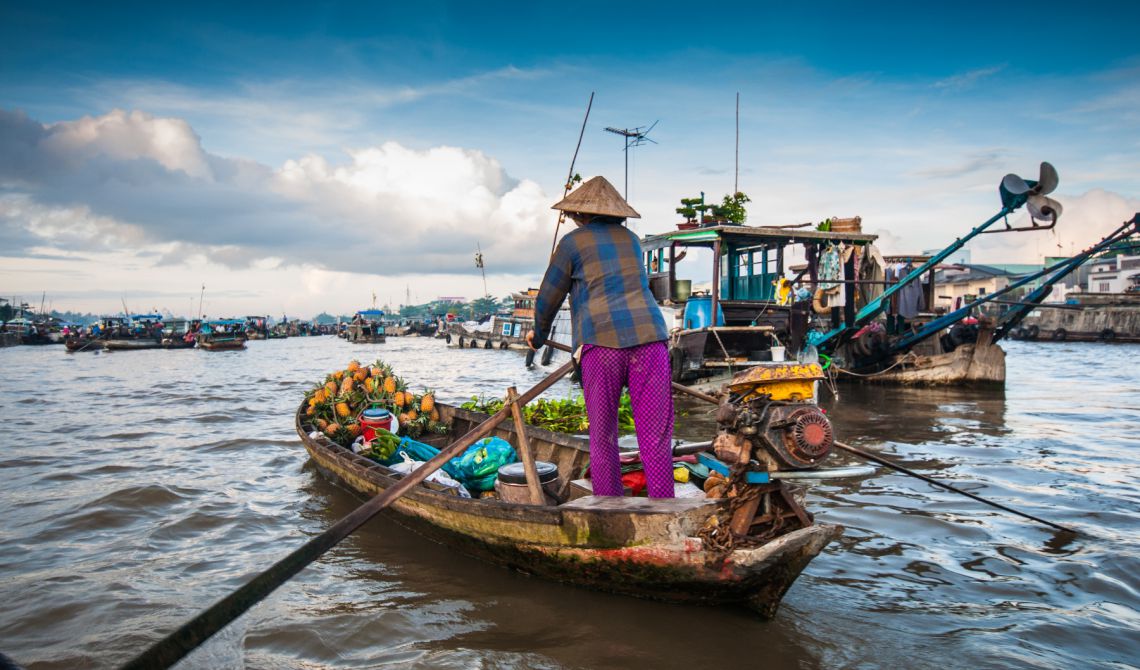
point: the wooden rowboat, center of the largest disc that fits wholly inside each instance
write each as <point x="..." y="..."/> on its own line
<point x="635" y="546"/>
<point x="76" y="344"/>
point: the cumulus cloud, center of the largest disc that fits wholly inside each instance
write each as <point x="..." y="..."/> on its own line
<point x="133" y="180"/>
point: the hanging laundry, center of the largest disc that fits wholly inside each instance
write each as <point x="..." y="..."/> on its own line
<point x="872" y="268"/>
<point x="911" y="300"/>
<point x="830" y="268"/>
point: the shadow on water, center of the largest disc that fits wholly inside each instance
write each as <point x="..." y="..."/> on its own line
<point x="547" y="622"/>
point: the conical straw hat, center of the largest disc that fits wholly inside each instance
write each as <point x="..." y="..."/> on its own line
<point x="597" y="196"/>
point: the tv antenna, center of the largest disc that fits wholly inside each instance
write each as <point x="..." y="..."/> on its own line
<point x="634" y="137"/>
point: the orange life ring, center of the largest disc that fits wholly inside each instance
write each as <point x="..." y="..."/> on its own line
<point x="817" y="300"/>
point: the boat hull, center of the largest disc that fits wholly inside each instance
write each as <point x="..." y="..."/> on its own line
<point x="979" y="364"/>
<point x="177" y="343"/>
<point x="375" y="339"/>
<point x="77" y="344"/>
<point x="633" y="546"/>
<point x="131" y="345"/>
<point x="222" y="345"/>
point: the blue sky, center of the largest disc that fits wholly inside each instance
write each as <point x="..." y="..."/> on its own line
<point x="249" y="146"/>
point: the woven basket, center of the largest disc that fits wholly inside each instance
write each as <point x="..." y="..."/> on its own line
<point x="852" y="225"/>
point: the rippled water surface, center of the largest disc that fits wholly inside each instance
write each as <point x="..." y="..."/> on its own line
<point x="140" y="487"/>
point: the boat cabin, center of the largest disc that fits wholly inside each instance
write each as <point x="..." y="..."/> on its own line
<point x="753" y="310"/>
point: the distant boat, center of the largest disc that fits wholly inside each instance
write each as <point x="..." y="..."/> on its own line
<point x="222" y="335"/>
<point x="367" y="327"/>
<point x="133" y="333"/>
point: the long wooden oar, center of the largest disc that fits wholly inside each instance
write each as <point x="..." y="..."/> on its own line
<point x="175" y="646"/>
<point x="882" y="461"/>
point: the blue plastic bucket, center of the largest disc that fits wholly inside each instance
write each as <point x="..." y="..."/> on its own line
<point x="698" y="313"/>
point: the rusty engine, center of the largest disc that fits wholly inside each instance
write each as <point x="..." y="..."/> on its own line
<point x="769" y="415"/>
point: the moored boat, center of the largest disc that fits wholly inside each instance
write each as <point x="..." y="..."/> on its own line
<point x="222" y="335"/>
<point x="643" y="547"/>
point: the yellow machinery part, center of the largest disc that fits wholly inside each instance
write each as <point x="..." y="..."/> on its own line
<point x="784" y="382"/>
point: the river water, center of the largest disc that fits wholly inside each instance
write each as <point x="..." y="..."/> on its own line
<point x="140" y="487"/>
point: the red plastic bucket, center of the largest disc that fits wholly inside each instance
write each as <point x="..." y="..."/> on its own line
<point x="372" y="419"/>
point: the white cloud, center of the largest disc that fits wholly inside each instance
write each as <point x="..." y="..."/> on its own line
<point x="143" y="182"/>
<point x="127" y="136"/>
<point x="965" y="80"/>
<point x="1086" y="219"/>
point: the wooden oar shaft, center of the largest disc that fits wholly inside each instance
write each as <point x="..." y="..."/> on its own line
<point x="884" y="462"/>
<point x="175" y="646"/>
<point x="537" y="497"/>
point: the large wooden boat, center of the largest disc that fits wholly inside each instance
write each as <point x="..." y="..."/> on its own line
<point x="634" y="546"/>
<point x="977" y="363"/>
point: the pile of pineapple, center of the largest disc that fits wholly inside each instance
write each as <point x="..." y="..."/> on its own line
<point x="334" y="407"/>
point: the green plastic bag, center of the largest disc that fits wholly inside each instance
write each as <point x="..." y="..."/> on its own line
<point x="478" y="466"/>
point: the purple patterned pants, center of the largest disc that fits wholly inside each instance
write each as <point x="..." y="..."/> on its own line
<point x="646" y="370"/>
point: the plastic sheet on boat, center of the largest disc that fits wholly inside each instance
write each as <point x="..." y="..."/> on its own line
<point x="476" y="468"/>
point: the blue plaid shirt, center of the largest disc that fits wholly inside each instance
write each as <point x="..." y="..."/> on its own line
<point x="600" y="266"/>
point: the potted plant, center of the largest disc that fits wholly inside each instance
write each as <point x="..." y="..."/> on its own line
<point x="688" y="209"/>
<point x="700" y="214"/>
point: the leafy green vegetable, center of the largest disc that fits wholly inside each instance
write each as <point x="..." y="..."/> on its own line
<point x="565" y="415"/>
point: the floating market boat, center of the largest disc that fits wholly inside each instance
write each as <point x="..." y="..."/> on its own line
<point x="84" y="342"/>
<point x="501" y="331"/>
<point x="134" y="333"/>
<point x="870" y="315"/>
<point x="651" y="548"/>
<point x="751" y="314"/>
<point x="180" y="334"/>
<point x="367" y="327"/>
<point x="257" y="327"/>
<point x="222" y="335"/>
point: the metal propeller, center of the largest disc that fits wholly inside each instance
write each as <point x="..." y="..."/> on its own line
<point x="1016" y="191"/>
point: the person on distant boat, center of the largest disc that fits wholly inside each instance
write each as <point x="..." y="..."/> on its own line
<point x="619" y="334"/>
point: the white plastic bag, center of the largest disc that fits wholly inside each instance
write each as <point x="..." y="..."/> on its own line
<point x="439" y="476"/>
<point x="687" y="490"/>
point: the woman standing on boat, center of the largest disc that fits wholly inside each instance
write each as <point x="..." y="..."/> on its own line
<point x="619" y="335"/>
